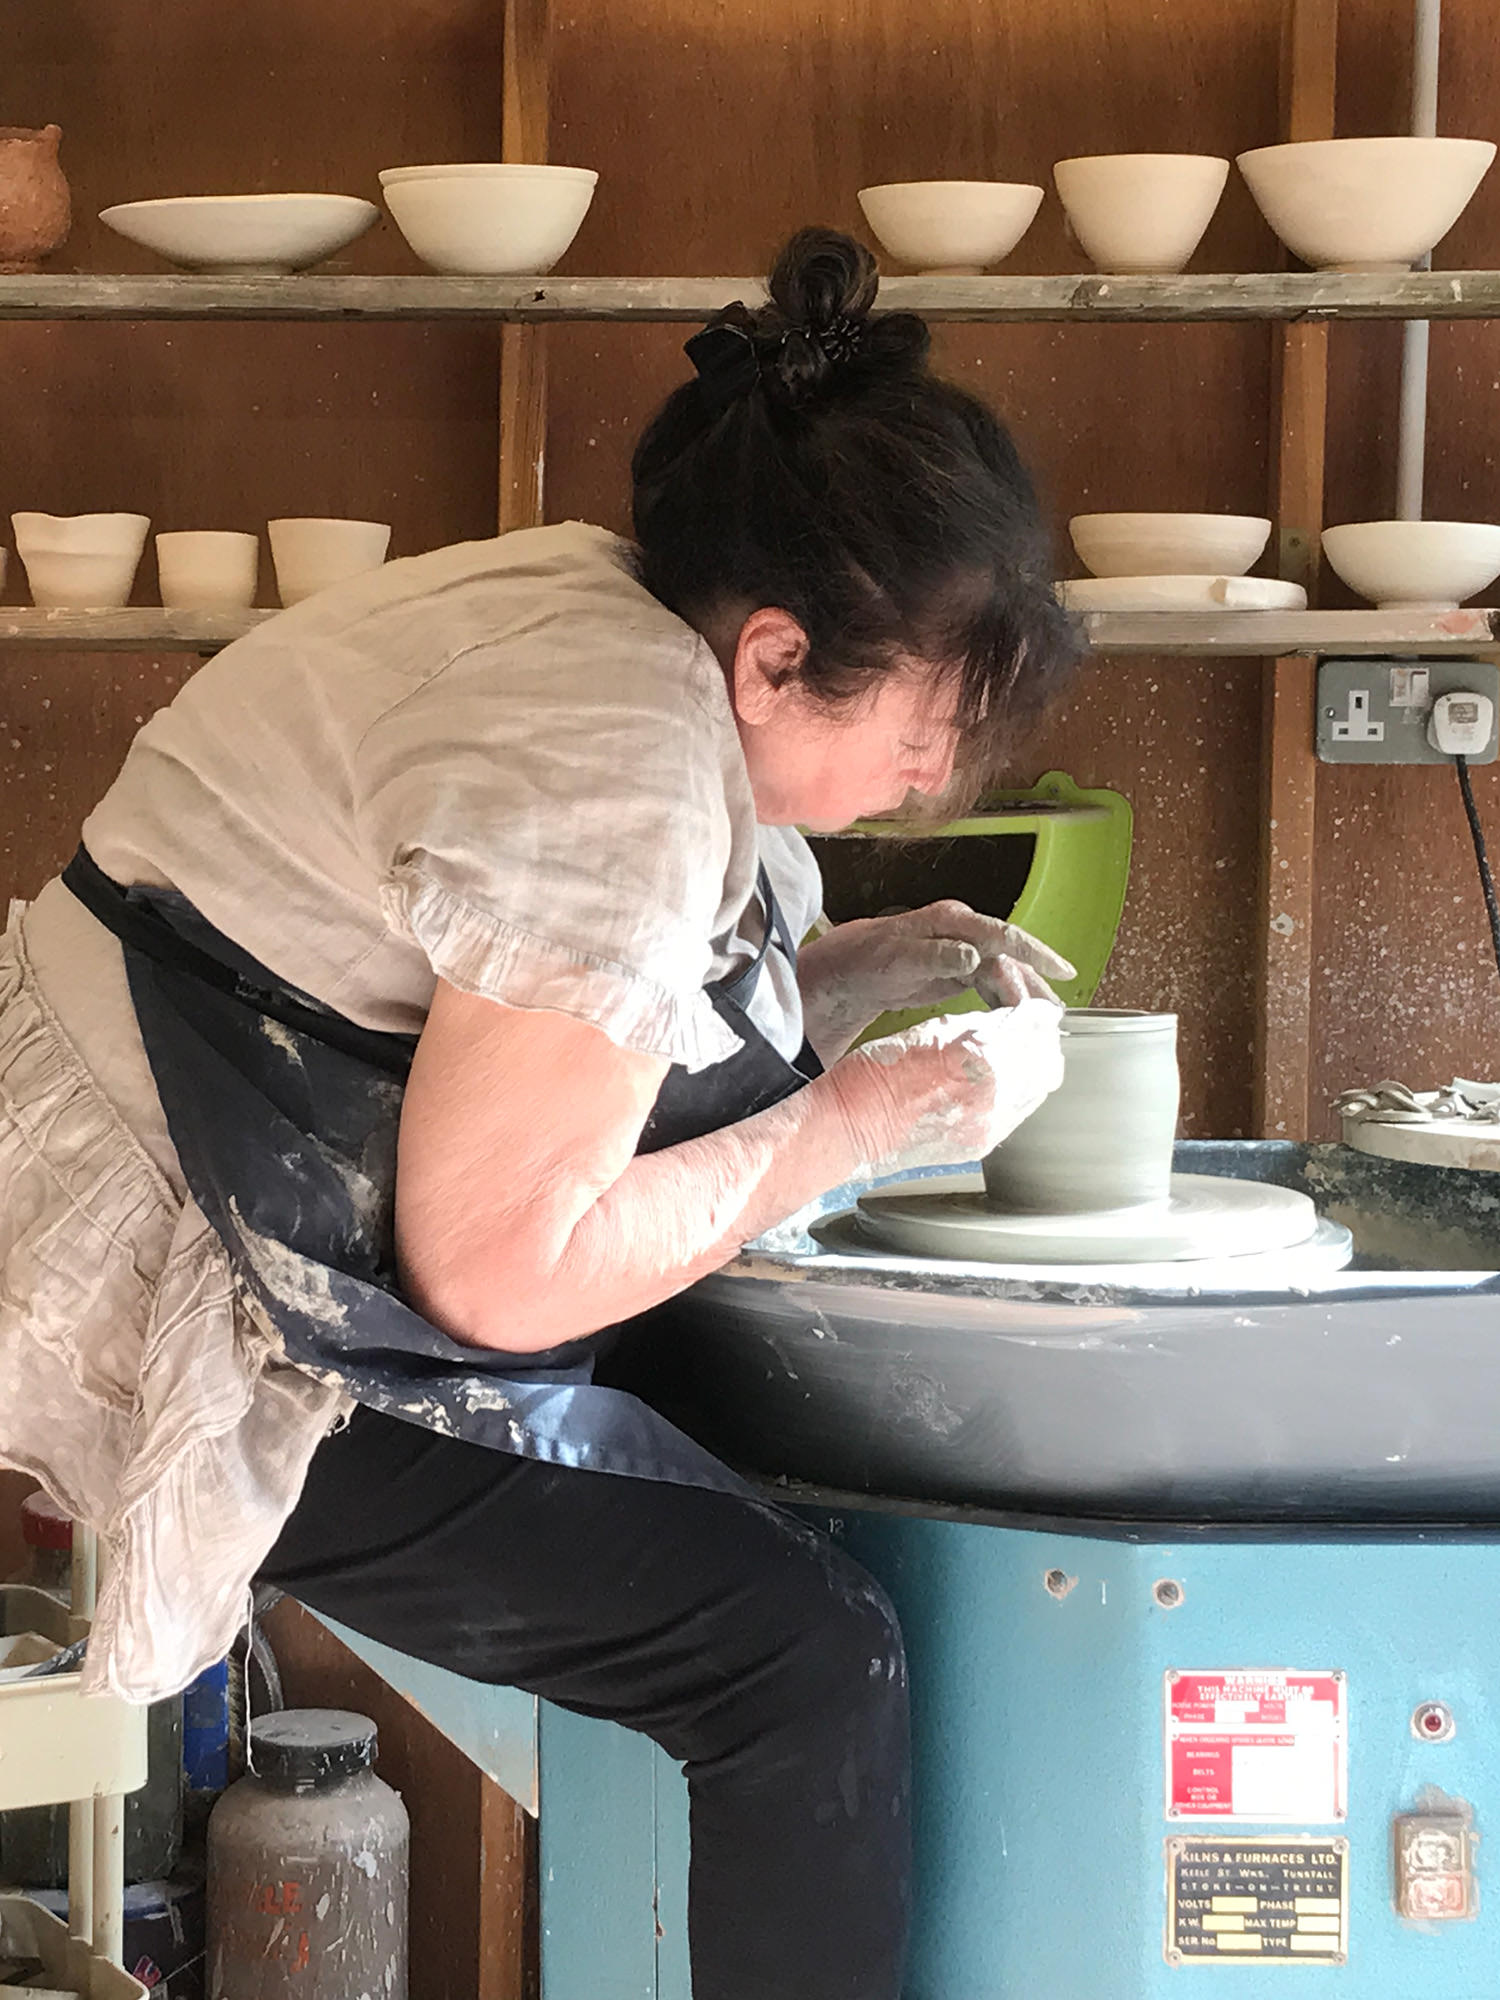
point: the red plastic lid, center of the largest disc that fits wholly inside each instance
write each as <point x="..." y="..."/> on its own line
<point x="44" y="1525"/>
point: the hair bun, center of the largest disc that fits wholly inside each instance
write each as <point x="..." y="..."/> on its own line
<point x="819" y="327"/>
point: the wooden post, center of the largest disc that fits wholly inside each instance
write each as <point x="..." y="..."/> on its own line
<point x="1283" y="1056"/>
<point x="525" y="119"/>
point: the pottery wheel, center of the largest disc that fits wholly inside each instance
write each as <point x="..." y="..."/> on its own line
<point x="1206" y="1216"/>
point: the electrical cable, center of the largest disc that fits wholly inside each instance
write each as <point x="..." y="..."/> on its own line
<point x="1481" y="853"/>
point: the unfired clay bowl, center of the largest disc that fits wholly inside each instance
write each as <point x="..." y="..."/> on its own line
<point x="1140" y="211"/>
<point x="1365" y="204"/>
<point x="1169" y="544"/>
<point x="252" y="234"/>
<point x="950" y="228"/>
<point x="490" y="219"/>
<point x="1103" y="1139"/>
<point x="207" y="569"/>
<point x="80" y="562"/>
<point x="313" y="553"/>
<point x="1415" y="565"/>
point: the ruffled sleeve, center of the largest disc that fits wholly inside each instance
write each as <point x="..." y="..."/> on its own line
<point x="556" y="822"/>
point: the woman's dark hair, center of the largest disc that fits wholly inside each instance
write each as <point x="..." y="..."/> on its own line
<point x="814" y="463"/>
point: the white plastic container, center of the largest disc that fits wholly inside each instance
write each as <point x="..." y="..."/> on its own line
<point x="313" y="553"/>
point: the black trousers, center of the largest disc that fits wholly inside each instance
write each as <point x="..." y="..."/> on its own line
<point x="746" y="1645"/>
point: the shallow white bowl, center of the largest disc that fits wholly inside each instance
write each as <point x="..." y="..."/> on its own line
<point x="493" y="220"/>
<point x="1415" y="565"/>
<point x="1140" y="211"/>
<point x="1169" y="544"/>
<point x="1365" y="204"/>
<point x="952" y="228"/>
<point x="1181" y="593"/>
<point x="80" y="562"/>
<point x="265" y="234"/>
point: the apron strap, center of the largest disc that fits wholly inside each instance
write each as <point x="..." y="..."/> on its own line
<point x="139" y="924"/>
<point x="740" y="987"/>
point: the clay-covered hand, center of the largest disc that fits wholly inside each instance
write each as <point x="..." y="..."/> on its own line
<point x="952" y="1088"/>
<point x="863" y="969"/>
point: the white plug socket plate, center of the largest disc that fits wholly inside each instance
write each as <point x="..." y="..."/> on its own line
<point x="1375" y="711"/>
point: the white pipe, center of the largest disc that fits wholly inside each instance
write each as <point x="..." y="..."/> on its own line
<point x="1416" y="338"/>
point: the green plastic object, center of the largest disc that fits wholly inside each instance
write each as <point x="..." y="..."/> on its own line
<point x="1075" y="892"/>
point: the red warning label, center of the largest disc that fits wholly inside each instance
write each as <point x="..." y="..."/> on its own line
<point x="1255" y="1744"/>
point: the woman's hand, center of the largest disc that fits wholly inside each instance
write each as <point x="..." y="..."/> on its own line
<point x="952" y="1088"/>
<point x="858" y="971"/>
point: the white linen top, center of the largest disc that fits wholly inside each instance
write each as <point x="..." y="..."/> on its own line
<point x="502" y="764"/>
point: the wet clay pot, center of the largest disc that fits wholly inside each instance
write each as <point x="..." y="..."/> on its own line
<point x="35" y="209"/>
<point x="1104" y="1138"/>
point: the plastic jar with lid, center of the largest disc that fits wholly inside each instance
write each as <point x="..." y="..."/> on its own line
<point x="307" y="1866"/>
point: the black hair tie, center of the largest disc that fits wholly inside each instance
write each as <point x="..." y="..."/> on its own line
<point x="725" y="358"/>
<point x="841" y="339"/>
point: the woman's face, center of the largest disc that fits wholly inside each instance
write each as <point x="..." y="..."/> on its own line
<point x="825" y="768"/>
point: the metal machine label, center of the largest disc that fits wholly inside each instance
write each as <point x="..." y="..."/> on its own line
<point x="1257" y="1902"/>
<point x="1255" y="1743"/>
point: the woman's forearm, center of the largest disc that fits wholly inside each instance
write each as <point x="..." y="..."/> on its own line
<point x="674" y="1216"/>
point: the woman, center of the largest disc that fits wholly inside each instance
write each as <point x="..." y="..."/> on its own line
<point x="424" y="1000"/>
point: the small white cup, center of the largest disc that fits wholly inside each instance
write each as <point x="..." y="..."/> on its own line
<point x="80" y="562"/>
<point x="207" y="569"/>
<point x="311" y="554"/>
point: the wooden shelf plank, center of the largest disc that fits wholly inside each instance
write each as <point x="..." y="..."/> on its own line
<point x="1265" y="635"/>
<point x="145" y="629"/>
<point x="1190" y="635"/>
<point x="1275" y="295"/>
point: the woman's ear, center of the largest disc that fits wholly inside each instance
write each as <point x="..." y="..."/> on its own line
<point x="768" y="658"/>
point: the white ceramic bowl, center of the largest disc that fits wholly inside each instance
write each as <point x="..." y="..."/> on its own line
<point x="950" y="227"/>
<point x="491" y="220"/>
<point x="1140" y="211"/>
<point x="1169" y="544"/>
<point x="1365" y="204"/>
<point x="1415" y="565"/>
<point x="266" y="234"/>
<point x="207" y="569"/>
<point x="80" y="562"/>
<point x="312" y="553"/>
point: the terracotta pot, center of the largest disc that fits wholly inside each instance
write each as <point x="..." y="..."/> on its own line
<point x="35" y="209"/>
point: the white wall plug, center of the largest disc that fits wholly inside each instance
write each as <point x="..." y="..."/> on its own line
<point x="1460" y="724"/>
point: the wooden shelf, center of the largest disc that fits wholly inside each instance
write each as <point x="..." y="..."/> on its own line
<point x="148" y="629"/>
<point x="1192" y="635"/>
<point x="1268" y="635"/>
<point x="1285" y="295"/>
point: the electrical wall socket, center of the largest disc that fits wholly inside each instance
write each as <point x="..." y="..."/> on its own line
<point x="1375" y="711"/>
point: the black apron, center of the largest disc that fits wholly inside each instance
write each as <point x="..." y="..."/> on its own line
<point x="284" y="1115"/>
